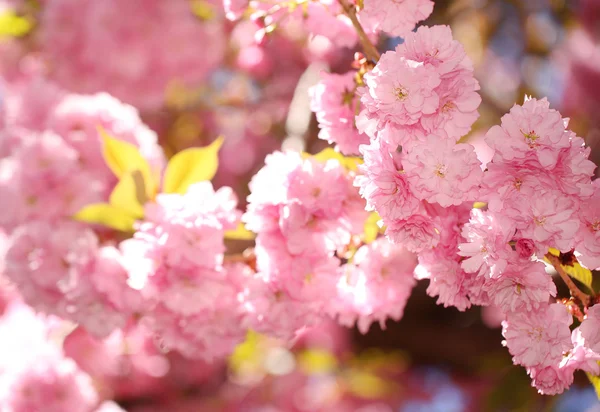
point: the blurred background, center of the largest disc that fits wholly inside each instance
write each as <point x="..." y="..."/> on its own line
<point x="193" y="76"/>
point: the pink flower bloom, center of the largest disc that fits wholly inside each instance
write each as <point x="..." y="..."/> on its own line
<point x="487" y="250"/>
<point x="525" y="248"/>
<point x="334" y="102"/>
<point x="234" y="9"/>
<point x="51" y="265"/>
<point x="434" y="45"/>
<point x="383" y="184"/>
<point x="457" y="110"/>
<point x="148" y="62"/>
<point x="398" y="92"/>
<point x="590" y="328"/>
<point x="549" y="218"/>
<point x="376" y="288"/>
<point x="416" y="233"/>
<point x="34" y="374"/>
<point x="521" y="287"/>
<point x="538" y="338"/>
<point x="582" y="356"/>
<point x="552" y="379"/>
<point x="532" y="130"/>
<point x="447" y="281"/>
<point x="443" y="172"/>
<point x="396" y="18"/>
<point x="588" y="237"/>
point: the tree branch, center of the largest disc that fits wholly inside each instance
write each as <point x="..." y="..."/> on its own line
<point x="575" y="291"/>
<point x="368" y="47"/>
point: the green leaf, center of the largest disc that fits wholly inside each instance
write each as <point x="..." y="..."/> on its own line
<point x="129" y="194"/>
<point x="191" y="166"/>
<point x="123" y="157"/>
<point x="12" y="25"/>
<point x="350" y="163"/>
<point x="106" y="215"/>
<point x="240" y="233"/>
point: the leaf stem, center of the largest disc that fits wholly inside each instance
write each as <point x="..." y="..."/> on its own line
<point x="575" y="291"/>
<point x="368" y="47"/>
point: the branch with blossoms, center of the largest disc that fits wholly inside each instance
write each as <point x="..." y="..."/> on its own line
<point x="106" y="233"/>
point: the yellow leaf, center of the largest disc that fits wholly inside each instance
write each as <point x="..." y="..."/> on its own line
<point x="248" y="354"/>
<point x="191" y="166"/>
<point x="106" y="215"/>
<point x="367" y="385"/>
<point x="203" y="10"/>
<point x="240" y="233"/>
<point x="350" y="163"/>
<point x="575" y="270"/>
<point x="12" y="25"/>
<point x="129" y="194"/>
<point x="317" y="361"/>
<point x="595" y="380"/>
<point x="123" y="157"/>
<point x="371" y="228"/>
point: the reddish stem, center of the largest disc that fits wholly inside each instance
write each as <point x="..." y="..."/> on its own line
<point x="575" y="291"/>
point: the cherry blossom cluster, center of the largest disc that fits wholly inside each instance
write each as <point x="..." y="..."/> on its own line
<point x="52" y="166"/>
<point x="481" y="234"/>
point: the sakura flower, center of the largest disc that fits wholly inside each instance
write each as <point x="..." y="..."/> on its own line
<point x="378" y="286"/>
<point x="398" y="92"/>
<point x="549" y="219"/>
<point x="435" y="45"/>
<point x="335" y="105"/>
<point x="552" y="379"/>
<point x="538" y="338"/>
<point x="447" y="281"/>
<point x="487" y="251"/>
<point x="148" y="62"/>
<point x="521" y="288"/>
<point x="383" y="184"/>
<point x="394" y="17"/>
<point x="532" y="130"/>
<point x="589" y="328"/>
<point x="52" y="266"/>
<point x="416" y="233"/>
<point x="443" y="172"/>
<point x="588" y="237"/>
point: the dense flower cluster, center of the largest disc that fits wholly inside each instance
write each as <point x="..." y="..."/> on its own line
<point x="151" y="276"/>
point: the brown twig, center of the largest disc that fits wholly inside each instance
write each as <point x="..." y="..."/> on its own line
<point x="575" y="291"/>
<point x="368" y="47"/>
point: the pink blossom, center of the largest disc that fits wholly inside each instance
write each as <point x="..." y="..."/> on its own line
<point x="383" y="184"/>
<point x="435" y="45"/>
<point x="447" y="280"/>
<point x="457" y="110"/>
<point x="335" y="105"/>
<point x="148" y="62"/>
<point x="398" y="92"/>
<point x="588" y="237"/>
<point x="552" y="379"/>
<point x="525" y="248"/>
<point x="549" y="218"/>
<point x="443" y="172"/>
<point x="34" y="373"/>
<point x="538" y="338"/>
<point x="590" y="330"/>
<point x="396" y="18"/>
<point x="417" y="232"/>
<point x="532" y="130"/>
<point x="521" y="287"/>
<point x="51" y="265"/>
<point x="487" y="251"/>
<point x="377" y="287"/>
